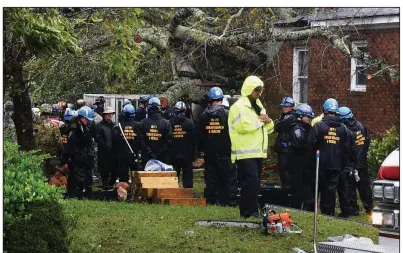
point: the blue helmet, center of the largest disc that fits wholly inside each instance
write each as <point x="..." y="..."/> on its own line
<point x="215" y="93"/>
<point x="154" y="102"/>
<point x="304" y="109"/>
<point x="68" y="114"/>
<point x="71" y="106"/>
<point x="126" y="102"/>
<point x="331" y="105"/>
<point x="128" y="110"/>
<point x="287" y="102"/>
<point x="86" y="112"/>
<point x="345" y="113"/>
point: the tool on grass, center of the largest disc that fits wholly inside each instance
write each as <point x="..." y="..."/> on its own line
<point x="273" y="223"/>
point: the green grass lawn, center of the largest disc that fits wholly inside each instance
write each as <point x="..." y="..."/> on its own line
<point x="127" y="227"/>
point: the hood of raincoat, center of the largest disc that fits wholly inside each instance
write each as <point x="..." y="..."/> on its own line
<point x="250" y="83"/>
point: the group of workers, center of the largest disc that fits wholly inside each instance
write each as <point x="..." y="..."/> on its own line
<point x="342" y="142"/>
<point x="233" y="141"/>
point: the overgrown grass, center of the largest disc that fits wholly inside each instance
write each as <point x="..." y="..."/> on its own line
<point x="124" y="227"/>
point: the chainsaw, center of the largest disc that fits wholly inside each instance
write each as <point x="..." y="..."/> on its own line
<point x="273" y="223"/>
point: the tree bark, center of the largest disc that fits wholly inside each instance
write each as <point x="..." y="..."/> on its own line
<point x="22" y="115"/>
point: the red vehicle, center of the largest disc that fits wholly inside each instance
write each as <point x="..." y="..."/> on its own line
<point x="386" y="191"/>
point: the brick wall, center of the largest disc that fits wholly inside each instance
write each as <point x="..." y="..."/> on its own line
<point x="329" y="76"/>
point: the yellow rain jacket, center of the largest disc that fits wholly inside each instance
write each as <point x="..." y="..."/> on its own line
<point x="317" y="119"/>
<point x="249" y="135"/>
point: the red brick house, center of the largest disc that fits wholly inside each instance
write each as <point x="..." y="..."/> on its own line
<point x="312" y="70"/>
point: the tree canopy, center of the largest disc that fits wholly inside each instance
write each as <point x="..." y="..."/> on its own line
<point x="62" y="53"/>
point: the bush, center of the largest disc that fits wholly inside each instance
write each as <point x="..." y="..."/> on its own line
<point x="380" y="149"/>
<point x="24" y="182"/>
<point x="33" y="219"/>
<point x="45" y="230"/>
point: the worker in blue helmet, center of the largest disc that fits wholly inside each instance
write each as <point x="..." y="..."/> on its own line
<point x="281" y="145"/>
<point x="219" y="172"/>
<point x="78" y="154"/>
<point x="301" y="159"/>
<point x="334" y="141"/>
<point x="155" y="134"/>
<point x="347" y="189"/>
<point x="125" y="102"/>
<point x="125" y="158"/>
<point x="183" y="144"/>
<point x="328" y="106"/>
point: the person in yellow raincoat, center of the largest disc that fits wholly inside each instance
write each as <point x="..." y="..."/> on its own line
<point x="249" y="127"/>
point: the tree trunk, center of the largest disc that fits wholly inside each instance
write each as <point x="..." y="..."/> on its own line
<point x="22" y="115"/>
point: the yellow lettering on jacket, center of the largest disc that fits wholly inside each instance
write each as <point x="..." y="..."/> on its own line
<point x="178" y="132"/>
<point x="214" y="126"/>
<point x="331" y="136"/>
<point x="153" y="134"/>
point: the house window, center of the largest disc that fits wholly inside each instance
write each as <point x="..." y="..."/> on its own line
<point x="300" y="75"/>
<point x="358" y="69"/>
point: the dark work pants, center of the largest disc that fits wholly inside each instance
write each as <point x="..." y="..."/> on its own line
<point x="76" y="177"/>
<point x="250" y="170"/>
<point x="220" y="179"/>
<point x="106" y="165"/>
<point x="88" y="180"/>
<point x="120" y="170"/>
<point x="344" y="192"/>
<point x="186" y="166"/>
<point x="328" y="180"/>
<point x="364" y="188"/>
<point x="283" y="166"/>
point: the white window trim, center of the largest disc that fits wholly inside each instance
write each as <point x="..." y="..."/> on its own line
<point x="295" y="82"/>
<point x="354" y="86"/>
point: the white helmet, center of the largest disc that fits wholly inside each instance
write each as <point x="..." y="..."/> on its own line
<point x="180" y="106"/>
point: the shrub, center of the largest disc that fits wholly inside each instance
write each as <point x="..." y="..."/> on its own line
<point x="33" y="219"/>
<point x="380" y="149"/>
<point x="45" y="231"/>
<point x="24" y="182"/>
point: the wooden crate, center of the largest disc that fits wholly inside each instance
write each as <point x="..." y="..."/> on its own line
<point x="138" y="174"/>
<point x="144" y="182"/>
<point x="159" y="194"/>
<point x="184" y="201"/>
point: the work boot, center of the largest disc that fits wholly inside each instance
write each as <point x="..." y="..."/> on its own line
<point x="343" y="215"/>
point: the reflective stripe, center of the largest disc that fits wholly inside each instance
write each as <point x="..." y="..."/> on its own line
<point x="231" y="127"/>
<point x="246" y="151"/>
<point x="264" y="150"/>
<point x="237" y="118"/>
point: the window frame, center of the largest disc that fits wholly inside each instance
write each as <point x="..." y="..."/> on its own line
<point x="296" y="86"/>
<point x="353" y="85"/>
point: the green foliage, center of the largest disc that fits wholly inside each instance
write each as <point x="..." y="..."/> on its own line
<point x="123" y="54"/>
<point x="47" y="32"/>
<point x="380" y="149"/>
<point x="24" y="182"/>
<point x="45" y="232"/>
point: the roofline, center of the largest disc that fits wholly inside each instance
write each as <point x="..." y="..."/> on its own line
<point x="392" y="20"/>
